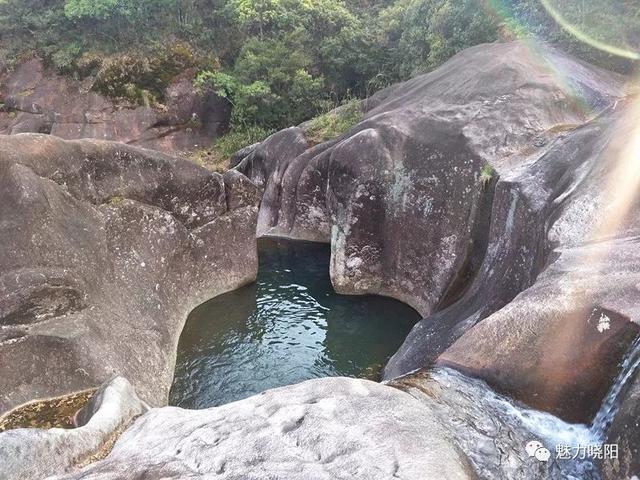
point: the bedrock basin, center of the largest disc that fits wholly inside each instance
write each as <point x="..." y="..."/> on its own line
<point x="287" y="327"/>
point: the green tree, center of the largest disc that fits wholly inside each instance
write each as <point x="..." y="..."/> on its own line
<point x="99" y="9"/>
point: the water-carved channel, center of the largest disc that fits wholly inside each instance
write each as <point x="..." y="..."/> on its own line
<point x="287" y="327"/>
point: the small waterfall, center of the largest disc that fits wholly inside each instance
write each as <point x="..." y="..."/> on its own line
<point x="611" y="402"/>
<point x="493" y="430"/>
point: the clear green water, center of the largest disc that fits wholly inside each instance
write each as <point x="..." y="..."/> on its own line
<point x="287" y="327"/>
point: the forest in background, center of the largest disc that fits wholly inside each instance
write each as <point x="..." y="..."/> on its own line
<point x="281" y="62"/>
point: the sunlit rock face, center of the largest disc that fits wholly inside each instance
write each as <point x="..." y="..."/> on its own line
<point x="457" y="190"/>
<point x="558" y="344"/>
<point x="38" y="100"/>
<point x="105" y="250"/>
<point x="332" y="428"/>
<point x="423" y="426"/>
<point x="403" y="196"/>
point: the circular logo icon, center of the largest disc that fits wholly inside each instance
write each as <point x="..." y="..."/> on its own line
<point x="543" y="454"/>
<point x="532" y="446"/>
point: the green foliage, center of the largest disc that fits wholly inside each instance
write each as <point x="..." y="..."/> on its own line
<point x="614" y="23"/>
<point x="100" y="9"/>
<point x="334" y="123"/>
<point x="65" y="58"/>
<point x="487" y="173"/>
<point x="281" y="62"/>
<point x="143" y="79"/>
<point x="217" y="158"/>
<point x="425" y="33"/>
<point x="233" y="141"/>
<point x="270" y="86"/>
<point x="251" y="102"/>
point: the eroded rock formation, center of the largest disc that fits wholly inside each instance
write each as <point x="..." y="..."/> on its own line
<point x="105" y="250"/>
<point x="37" y="100"/>
<point x="558" y="344"/>
<point x="456" y="192"/>
<point x="430" y="425"/>
<point x="492" y="195"/>
<point x="624" y="432"/>
<point x="333" y="428"/>
<point x="402" y="196"/>
<point x="29" y="453"/>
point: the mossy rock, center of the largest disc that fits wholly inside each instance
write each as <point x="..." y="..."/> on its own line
<point x="50" y="413"/>
<point x="334" y="123"/>
<point x="142" y="79"/>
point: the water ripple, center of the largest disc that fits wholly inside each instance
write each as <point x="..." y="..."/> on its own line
<point x="287" y="327"/>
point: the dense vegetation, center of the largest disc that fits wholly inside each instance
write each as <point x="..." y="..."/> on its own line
<point x="280" y="62"/>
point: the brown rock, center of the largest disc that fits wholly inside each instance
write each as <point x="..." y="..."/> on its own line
<point x="38" y="100"/>
<point x="558" y="344"/>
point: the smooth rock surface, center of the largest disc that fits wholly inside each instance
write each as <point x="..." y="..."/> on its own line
<point x="37" y="100"/>
<point x="558" y="344"/>
<point x="333" y="428"/>
<point x="106" y="249"/>
<point x="493" y="431"/>
<point x="34" y="454"/>
<point x="625" y="432"/>
<point x="446" y="426"/>
<point x="455" y="193"/>
<point x="402" y="196"/>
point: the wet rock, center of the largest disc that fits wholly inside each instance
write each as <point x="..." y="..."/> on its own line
<point x="106" y="249"/>
<point x="493" y="431"/>
<point x="37" y="100"/>
<point x="428" y="425"/>
<point x="33" y="454"/>
<point x="332" y="428"/>
<point x="58" y="412"/>
<point x="625" y="433"/>
<point x="459" y="190"/>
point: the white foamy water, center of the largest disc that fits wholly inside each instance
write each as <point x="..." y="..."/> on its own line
<point x="611" y="403"/>
<point x="548" y="427"/>
<point x="482" y="419"/>
<point x="555" y="433"/>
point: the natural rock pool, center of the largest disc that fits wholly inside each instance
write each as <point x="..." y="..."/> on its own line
<point x="287" y="327"/>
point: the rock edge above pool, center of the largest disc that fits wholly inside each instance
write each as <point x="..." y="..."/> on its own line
<point x="106" y="249"/>
<point x="319" y="429"/>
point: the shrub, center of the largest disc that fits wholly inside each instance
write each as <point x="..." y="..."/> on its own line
<point x="143" y="79"/>
<point x="217" y="157"/>
<point x="235" y="140"/>
<point x="487" y="174"/>
<point x="334" y="123"/>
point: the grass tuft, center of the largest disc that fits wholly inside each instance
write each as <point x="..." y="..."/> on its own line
<point x="334" y="123"/>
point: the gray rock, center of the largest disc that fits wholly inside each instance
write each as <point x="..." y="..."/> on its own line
<point x="33" y="454"/>
<point x="456" y="192"/>
<point x="106" y="249"/>
<point x="446" y="426"/>
<point x="493" y="431"/>
<point x="625" y="433"/>
<point x="402" y="196"/>
<point x="333" y="428"/>
<point x="558" y="344"/>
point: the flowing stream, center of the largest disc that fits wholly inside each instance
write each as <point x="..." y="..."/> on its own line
<point x="494" y="431"/>
<point x="611" y="403"/>
<point x="287" y="327"/>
